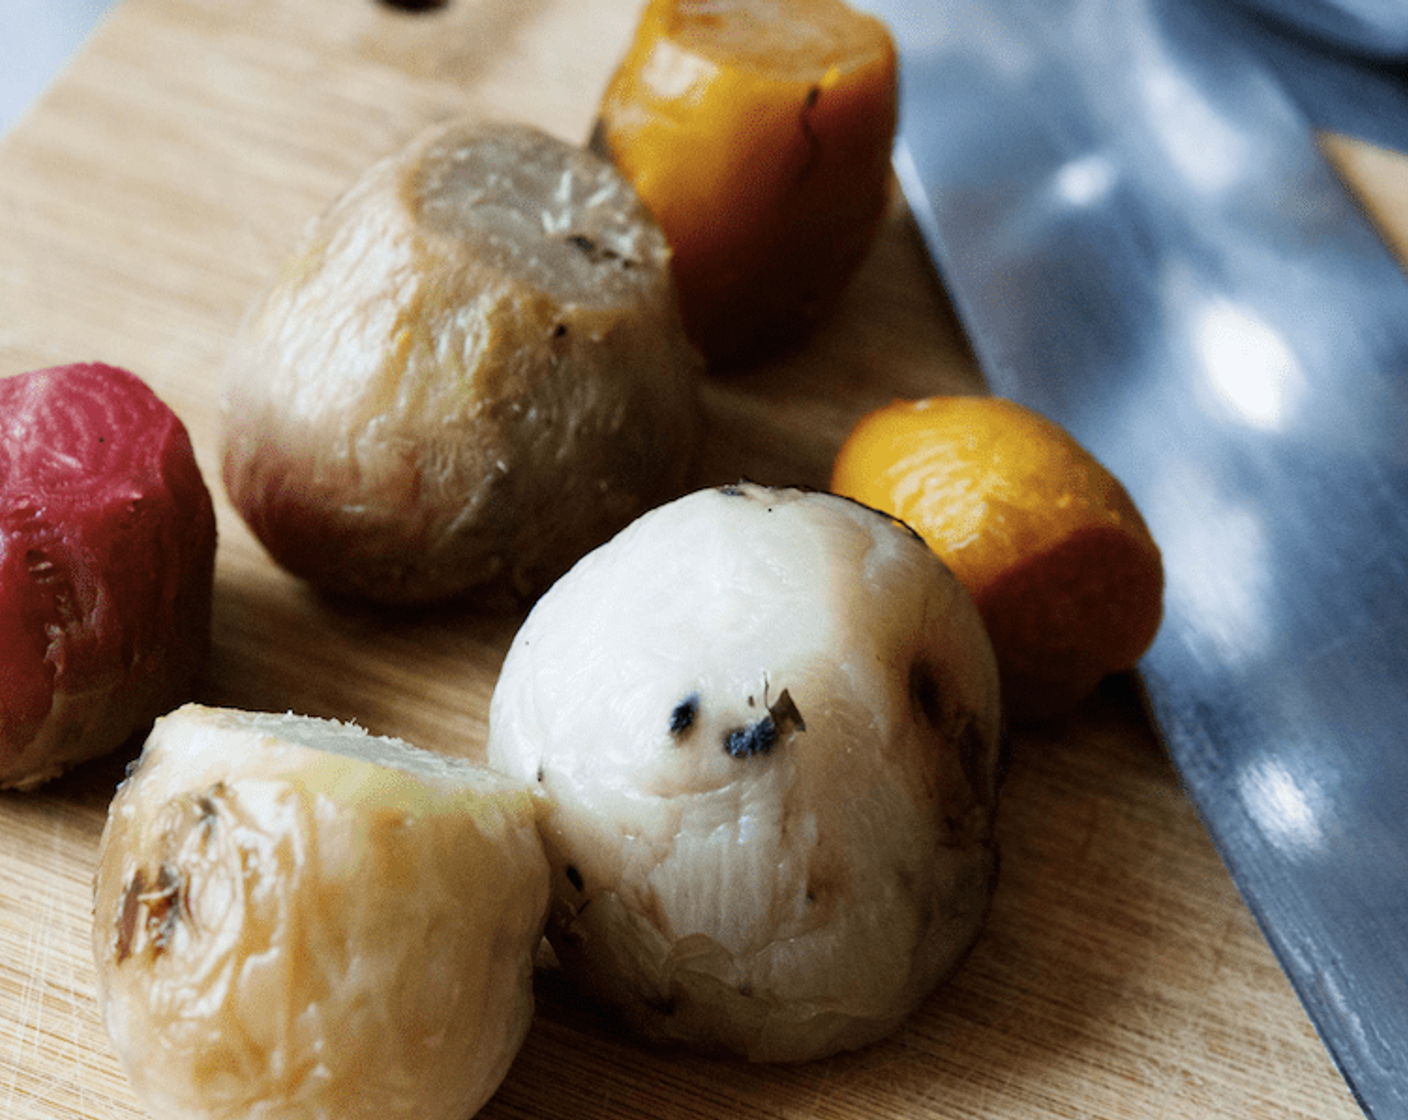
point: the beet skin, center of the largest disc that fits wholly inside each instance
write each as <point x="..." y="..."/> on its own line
<point x="107" y="554"/>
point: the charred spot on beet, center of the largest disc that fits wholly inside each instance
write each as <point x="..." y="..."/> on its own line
<point x="163" y="899"/>
<point x="127" y="919"/>
<point x="683" y="714"/>
<point x="574" y="877"/>
<point x="587" y="246"/>
<point x="756" y="738"/>
<point x="597" y="252"/>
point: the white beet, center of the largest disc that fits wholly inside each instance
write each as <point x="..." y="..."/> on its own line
<point x="295" y="919"/>
<point x="764" y="725"/>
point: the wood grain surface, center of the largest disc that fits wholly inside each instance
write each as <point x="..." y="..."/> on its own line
<point x="146" y="199"/>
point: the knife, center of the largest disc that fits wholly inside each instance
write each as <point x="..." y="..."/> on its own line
<point x="1143" y="242"/>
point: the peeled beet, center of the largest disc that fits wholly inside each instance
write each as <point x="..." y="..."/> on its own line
<point x="107" y="555"/>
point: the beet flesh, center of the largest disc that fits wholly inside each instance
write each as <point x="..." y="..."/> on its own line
<point x="107" y="550"/>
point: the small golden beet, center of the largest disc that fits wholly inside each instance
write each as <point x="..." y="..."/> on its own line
<point x="758" y="132"/>
<point x="1046" y="540"/>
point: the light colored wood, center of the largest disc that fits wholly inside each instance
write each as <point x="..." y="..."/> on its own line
<point x="144" y="201"/>
<point x="1380" y="178"/>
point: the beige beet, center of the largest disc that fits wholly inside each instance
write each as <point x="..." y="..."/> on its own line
<point x="471" y="373"/>
<point x="764" y="728"/>
<point x="293" y="919"/>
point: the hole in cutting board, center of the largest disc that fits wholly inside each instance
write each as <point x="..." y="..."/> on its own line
<point x="414" y="5"/>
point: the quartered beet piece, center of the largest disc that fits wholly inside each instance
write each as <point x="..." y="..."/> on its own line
<point x="107" y="551"/>
<point x="293" y="918"/>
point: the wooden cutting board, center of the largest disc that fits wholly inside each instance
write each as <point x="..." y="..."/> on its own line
<point x="143" y="203"/>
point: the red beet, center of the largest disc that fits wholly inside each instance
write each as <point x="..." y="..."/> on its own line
<point x="107" y="556"/>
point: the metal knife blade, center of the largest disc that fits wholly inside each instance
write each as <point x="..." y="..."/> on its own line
<point x="1144" y="243"/>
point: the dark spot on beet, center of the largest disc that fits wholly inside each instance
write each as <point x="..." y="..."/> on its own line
<point x="585" y="245"/>
<point x="574" y="877"/>
<point x="925" y="692"/>
<point x="757" y="738"/>
<point x="208" y="803"/>
<point x="208" y="809"/>
<point x="127" y="919"/>
<point x="682" y="717"/>
<point x="164" y="901"/>
<point x="596" y="252"/>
